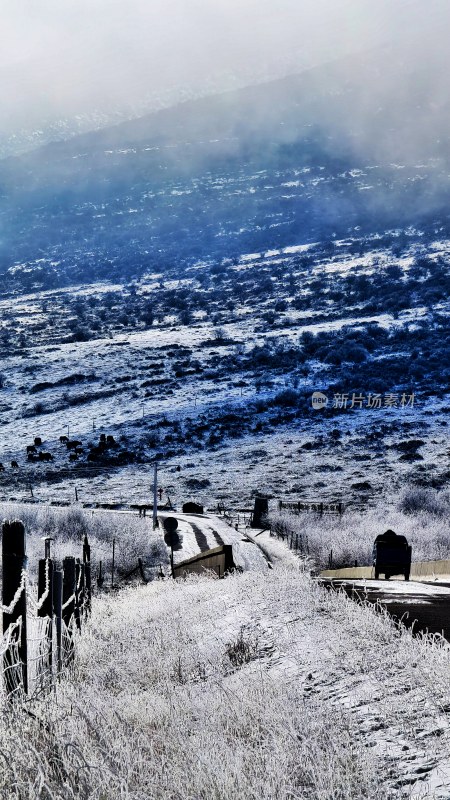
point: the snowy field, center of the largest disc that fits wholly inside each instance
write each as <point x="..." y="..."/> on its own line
<point x="197" y="384"/>
<point x="257" y="686"/>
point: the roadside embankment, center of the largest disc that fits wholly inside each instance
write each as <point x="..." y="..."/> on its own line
<point x="261" y="685"/>
<point x="420" y="571"/>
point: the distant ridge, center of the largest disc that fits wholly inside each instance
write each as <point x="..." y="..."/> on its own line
<point x="387" y="101"/>
<point x="361" y="144"/>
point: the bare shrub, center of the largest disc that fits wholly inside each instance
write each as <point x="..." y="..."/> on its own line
<point x="417" y="500"/>
<point x="134" y="537"/>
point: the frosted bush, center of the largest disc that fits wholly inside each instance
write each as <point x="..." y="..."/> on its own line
<point x="350" y="538"/>
<point x="134" y="536"/>
<point x="416" y="500"/>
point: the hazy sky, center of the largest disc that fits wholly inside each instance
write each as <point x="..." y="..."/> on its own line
<point x="62" y="57"/>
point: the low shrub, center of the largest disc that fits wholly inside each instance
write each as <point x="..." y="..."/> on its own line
<point x="424" y="501"/>
<point x="134" y="536"/>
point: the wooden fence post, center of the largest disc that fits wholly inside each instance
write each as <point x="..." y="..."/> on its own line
<point x="79" y="592"/>
<point x="68" y="589"/>
<point x="261" y="509"/>
<point x="14" y="566"/>
<point x="57" y="610"/>
<point x="68" y="608"/>
<point x="45" y="597"/>
<point x="87" y="574"/>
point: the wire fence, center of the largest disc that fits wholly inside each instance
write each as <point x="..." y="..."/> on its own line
<point x="12" y="666"/>
<point x="312" y="506"/>
<point x="39" y="633"/>
<point x="295" y="541"/>
<point x="43" y="664"/>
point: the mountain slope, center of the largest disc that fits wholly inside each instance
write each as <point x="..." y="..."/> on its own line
<point x="360" y="143"/>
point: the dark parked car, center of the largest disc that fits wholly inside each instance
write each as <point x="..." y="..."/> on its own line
<point x="391" y="555"/>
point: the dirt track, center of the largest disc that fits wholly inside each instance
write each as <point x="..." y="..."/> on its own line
<point x="423" y="606"/>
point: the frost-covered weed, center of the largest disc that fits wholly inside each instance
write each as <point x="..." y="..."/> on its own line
<point x="242" y="649"/>
<point x="152" y="711"/>
<point x="134" y="537"/>
<point x="350" y="538"/>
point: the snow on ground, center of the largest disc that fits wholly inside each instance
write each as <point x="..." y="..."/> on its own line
<point x="273" y="462"/>
<point x="200" y="533"/>
<point x="412" y="587"/>
<point x="312" y="655"/>
<point x="104" y="359"/>
<point x="105" y="401"/>
<point x="34" y="300"/>
<point x="274" y="550"/>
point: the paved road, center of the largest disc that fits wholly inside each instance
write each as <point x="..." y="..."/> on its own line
<point x="426" y="606"/>
<point x="201" y="532"/>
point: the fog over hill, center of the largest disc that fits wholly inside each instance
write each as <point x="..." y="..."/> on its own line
<point x="390" y="102"/>
<point x="67" y="68"/>
<point x="358" y="143"/>
<point x="221" y="259"/>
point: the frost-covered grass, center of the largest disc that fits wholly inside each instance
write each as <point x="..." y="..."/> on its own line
<point x="327" y="700"/>
<point x="134" y="537"/>
<point x="420" y="515"/>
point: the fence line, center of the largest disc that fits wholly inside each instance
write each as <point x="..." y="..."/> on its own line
<point x="318" y="507"/>
<point x="296" y="541"/>
<point x="37" y="630"/>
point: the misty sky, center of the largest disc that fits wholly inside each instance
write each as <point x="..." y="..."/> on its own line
<point x="63" y="57"/>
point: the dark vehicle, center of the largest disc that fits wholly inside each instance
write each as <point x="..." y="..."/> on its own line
<point x="391" y="555"/>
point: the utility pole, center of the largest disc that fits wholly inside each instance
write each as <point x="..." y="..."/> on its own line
<point x="155" y="495"/>
<point x="155" y="492"/>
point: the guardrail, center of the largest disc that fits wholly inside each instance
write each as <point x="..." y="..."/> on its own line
<point x="420" y="570"/>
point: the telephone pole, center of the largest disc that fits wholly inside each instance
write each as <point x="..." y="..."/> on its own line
<point x="155" y="495"/>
